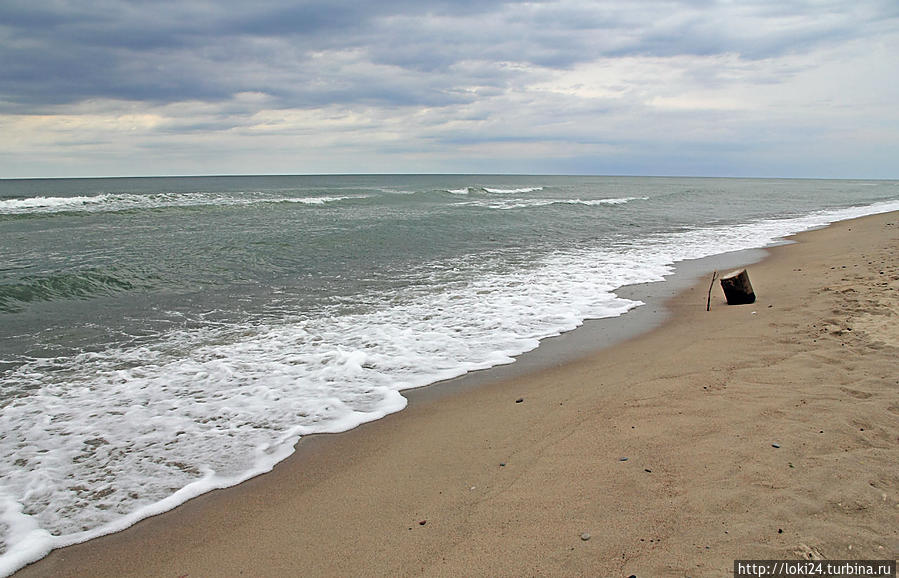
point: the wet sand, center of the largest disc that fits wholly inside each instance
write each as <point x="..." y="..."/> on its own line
<point x="763" y="431"/>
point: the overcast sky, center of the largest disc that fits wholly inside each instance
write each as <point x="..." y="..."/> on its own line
<point x="795" y="88"/>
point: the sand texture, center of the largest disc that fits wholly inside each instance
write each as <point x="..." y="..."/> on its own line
<point x="768" y="430"/>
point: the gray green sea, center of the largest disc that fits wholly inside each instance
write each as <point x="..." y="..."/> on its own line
<point x="162" y="337"/>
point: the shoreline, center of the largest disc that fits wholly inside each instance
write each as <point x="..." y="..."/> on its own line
<point x="595" y="335"/>
<point x="359" y="496"/>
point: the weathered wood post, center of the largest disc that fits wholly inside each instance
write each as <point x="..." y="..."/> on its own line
<point x="737" y="288"/>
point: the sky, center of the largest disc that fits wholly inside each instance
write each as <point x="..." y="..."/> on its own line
<point x="765" y="88"/>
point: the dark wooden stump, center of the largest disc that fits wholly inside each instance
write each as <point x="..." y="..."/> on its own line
<point x="737" y="288"/>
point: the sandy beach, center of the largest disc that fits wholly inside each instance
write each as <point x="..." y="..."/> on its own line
<point x="761" y="431"/>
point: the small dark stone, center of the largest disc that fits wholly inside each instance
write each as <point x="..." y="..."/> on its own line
<point x="519" y="400"/>
<point x="502" y="464"/>
<point x="647" y="470"/>
<point x="780" y="531"/>
<point x="422" y="522"/>
<point x="622" y="459"/>
<point x="775" y="445"/>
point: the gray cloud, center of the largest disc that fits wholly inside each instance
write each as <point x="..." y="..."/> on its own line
<point x="450" y="84"/>
<point x="175" y="51"/>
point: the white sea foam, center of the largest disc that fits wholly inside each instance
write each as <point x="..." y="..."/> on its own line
<point x="506" y="204"/>
<point x="312" y="200"/>
<point x="106" y="438"/>
<point x="125" y="201"/>
<point x="524" y="203"/>
<point x="512" y="191"/>
<point x="50" y="204"/>
<point x="493" y="191"/>
<point x="613" y="201"/>
<point x="397" y="191"/>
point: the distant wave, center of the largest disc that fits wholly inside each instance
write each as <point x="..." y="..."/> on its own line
<point x="397" y="191"/>
<point x="493" y="191"/>
<point x="50" y="204"/>
<point x="108" y="202"/>
<point x="314" y="200"/>
<point x="512" y="191"/>
<point x="507" y="204"/>
<point x="618" y="201"/>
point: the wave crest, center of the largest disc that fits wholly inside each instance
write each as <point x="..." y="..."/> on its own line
<point x="80" y="285"/>
<point x="492" y="190"/>
<point x="518" y="203"/>
<point x="110" y="202"/>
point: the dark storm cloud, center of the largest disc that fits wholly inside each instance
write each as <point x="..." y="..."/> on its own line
<point x="170" y="51"/>
<point x="390" y="53"/>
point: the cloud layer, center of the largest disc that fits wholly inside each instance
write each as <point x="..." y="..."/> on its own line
<point x="792" y="88"/>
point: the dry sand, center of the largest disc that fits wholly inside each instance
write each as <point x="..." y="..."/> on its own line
<point x="478" y="484"/>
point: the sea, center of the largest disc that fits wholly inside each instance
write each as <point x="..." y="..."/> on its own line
<point x="163" y="337"/>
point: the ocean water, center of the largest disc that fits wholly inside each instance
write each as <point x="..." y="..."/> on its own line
<point x="161" y="337"/>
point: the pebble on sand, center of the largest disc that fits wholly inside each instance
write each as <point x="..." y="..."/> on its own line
<point x="585" y="536"/>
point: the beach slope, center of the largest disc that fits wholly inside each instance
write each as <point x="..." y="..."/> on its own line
<point x="762" y="431"/>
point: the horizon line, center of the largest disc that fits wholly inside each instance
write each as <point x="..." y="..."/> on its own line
<point x="459" y="174"/>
